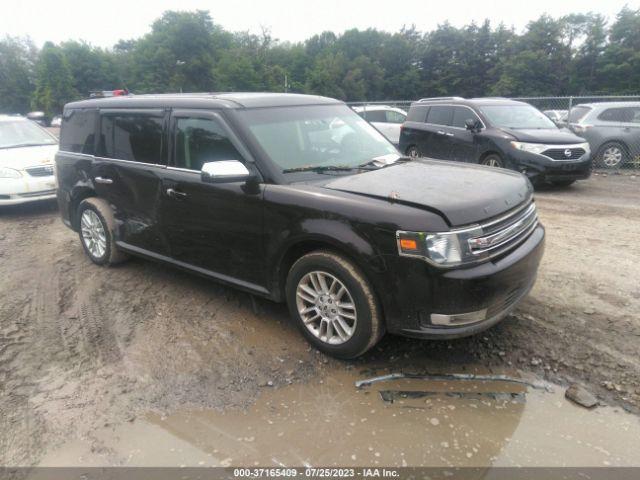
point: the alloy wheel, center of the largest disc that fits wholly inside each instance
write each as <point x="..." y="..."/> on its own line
<point x="612" y="156"/>
<point x="326" y="307"/>
<point x="93" y="233"/>
<point x="492" y="162"/>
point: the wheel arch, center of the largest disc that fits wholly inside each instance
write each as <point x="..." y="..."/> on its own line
<point x="78" y="195"/>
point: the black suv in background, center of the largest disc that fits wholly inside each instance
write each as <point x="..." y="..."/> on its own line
<point x="296" y="198"/>
<point x="497" y="132"/>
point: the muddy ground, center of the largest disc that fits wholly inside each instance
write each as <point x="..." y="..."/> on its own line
<point x="85" y="348"/>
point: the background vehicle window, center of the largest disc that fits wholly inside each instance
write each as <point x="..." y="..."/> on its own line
<point x="375" y="116"/>
<point x="461" y="115"/>
<point x="440" y="115"/>
<point x="78" y="131"/>
<point x="417" y="114"/>
<point x="577" y="113"/>
<point x="394" y="117"/>
<point x="135" y="137"/>
<point x="200" y="140"/>
<point x="620" y="114"/>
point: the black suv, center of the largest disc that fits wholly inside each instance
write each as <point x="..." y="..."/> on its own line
<point x="497" y="132"/>
<point x="296" y="198"/>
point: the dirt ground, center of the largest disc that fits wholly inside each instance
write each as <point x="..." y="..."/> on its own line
<point x="85" y="348"/>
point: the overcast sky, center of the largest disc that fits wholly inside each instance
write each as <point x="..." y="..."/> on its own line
<point x="103" y="23"/>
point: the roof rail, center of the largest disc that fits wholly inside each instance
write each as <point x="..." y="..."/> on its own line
<point x="432" y="99"/>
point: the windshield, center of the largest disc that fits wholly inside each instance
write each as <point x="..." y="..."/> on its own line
<point x="516" y="116"/>
<point x="23" y="133"/>
<point x="316" y="136"/>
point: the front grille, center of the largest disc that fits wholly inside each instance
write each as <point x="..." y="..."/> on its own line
<point x="505" y="232"/>
<point x="561" y="153"/>
<point x="44" y="171"/>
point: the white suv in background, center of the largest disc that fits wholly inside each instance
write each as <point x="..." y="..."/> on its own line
<point x="386" y="119"/>
<point x="27" y="154"/>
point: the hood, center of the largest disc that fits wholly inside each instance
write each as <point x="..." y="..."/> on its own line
<point x="461" y="193"/>
<point x="553" y="136"/>
<point x="23" y="157"/>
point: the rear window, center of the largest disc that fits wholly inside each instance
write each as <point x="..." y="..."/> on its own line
<point x="77" y="134"/>
<point x="136" y="137"/>
<point x="440" y="115"/>
<point x="577" y="113"/>
<point x="375" y="116"/>
<point x="418" y="113"/>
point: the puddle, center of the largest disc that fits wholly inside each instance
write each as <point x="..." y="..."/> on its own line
<point x="400" y="422"/>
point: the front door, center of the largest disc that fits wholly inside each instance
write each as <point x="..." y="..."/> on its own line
<point x="217" y="227"/>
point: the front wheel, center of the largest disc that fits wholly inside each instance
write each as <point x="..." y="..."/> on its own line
<point x="493" y="160"/>
<point x="413" y="152"/>
<point x="333" y="304"/>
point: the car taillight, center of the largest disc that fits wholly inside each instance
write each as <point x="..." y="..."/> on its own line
<point x="119" y="93"/>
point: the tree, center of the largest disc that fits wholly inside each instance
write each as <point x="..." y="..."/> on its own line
<point x="90" y="68"/>
<point x="17" y="59"/>
<point x="54" y="83"/>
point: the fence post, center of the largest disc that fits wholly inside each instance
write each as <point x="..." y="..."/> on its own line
<point x="570" y="105"/>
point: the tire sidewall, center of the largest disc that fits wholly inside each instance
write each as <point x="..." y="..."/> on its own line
<point x="361" y="340"/>
<point x="104" y="260"/>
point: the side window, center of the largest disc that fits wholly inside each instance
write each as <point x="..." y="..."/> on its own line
<point x="612" y="115"/>
<point x="201" y="140"/>
<point x="394" y="117"/>
<point x="461" y="115"/>
<point x="440" y="115"/>
<point x="78" y="131"/>
<point x="417" y="113"/>
<point x="635" y="117"/>
<point x="136" y="137"/>
<point x="375" y="116"/>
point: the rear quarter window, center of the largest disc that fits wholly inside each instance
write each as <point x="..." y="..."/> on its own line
<point x="77" y="133"/>
<point x="137" y="137"/>
<point x="417" y="113"/>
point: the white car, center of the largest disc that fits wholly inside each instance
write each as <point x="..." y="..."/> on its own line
<point x="27" y="154"/>
<point x="386" y="119"/>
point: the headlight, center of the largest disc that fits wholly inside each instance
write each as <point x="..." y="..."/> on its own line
<point x="9" y="173"/>
<point x="444" y="249"/>
<point x="585" y="146"/>
<point x="530" y="147"/>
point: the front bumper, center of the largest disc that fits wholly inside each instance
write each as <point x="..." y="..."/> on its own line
<point x="423" y="296"/>
<point x="541" y="168"/>
<point x="14" y="191"/>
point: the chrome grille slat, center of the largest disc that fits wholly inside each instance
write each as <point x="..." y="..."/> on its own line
<point x="43" y="171"/>
<point x="502" y="234"/>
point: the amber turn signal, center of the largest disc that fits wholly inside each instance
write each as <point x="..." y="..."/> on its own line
<point x="407" y="244"/>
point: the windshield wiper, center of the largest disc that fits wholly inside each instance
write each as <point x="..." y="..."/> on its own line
<point x="323" y="168"/>
<point x="375" y="163"/>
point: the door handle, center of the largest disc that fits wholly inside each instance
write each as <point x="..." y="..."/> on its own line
<point x="103" y="180"/>
<point x="449" y="134"/>
<point x="440" y="132"/>
<point x="176" y="193"/>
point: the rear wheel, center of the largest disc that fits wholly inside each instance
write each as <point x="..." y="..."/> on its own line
<point x="612" y="155"/>
<point x="96" y="228"/>
<point x="493" y="160"/>
<point x="333" y="304"/>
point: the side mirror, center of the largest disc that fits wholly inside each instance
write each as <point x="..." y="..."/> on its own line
<point x="224" y="171"/>
<point x="472" y="124"/>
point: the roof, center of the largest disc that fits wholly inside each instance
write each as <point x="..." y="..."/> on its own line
<point x="377" y="108"/>
<point x="205" y="100"/>
<point x="468" y="101"/>
<point x="630" y="103"/>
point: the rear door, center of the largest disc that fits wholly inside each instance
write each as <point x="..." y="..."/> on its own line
<point x="436" y="142"/>
<point x="462" y="142"/>
<point x="127" y="172"/>
<point x="217" y="227"/>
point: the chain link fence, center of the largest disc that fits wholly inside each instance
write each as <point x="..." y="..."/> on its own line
<point x="611" y="124"/>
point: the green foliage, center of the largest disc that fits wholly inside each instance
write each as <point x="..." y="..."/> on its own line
<point x="187" y="51"/>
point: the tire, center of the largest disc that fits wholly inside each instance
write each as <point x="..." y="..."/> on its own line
<point x="413" y="152"/>
<point x="345" y="332"/>
<point x="493" y="160"/>
<point x="562" y="183"/>
<point x="96" y="227"/>
<point x="612" y="155"/>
